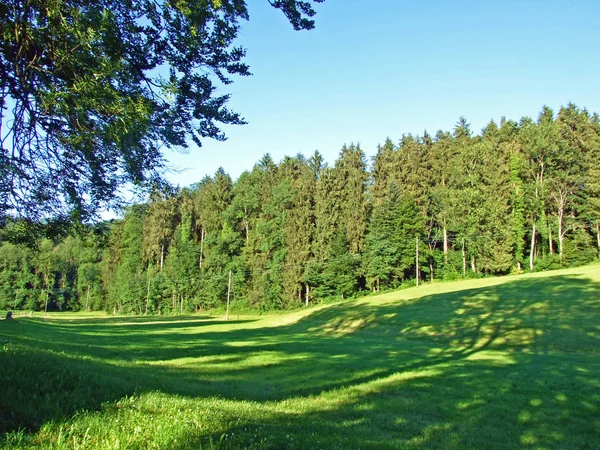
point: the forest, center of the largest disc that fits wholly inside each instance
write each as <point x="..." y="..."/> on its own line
<point x="516" y="197"/>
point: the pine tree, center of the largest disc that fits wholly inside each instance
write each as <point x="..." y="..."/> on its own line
<point x="518" y="172"/>
<point x="442" y="155"/>
<point x="394" y="226"/>
<point x="351" y="172"/>
<point x="384" y="171"/>
<point x="126" y="288"/>
<point x="577" y="139"/>
<point x="160" y="221"/>
<point x="300" y="228"/>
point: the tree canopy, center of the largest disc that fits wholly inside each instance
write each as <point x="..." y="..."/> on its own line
<point x="518" y="196"/>
<point x="92" y="93"/>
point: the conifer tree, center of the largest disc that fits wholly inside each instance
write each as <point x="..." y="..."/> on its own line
<point x="384" y="171"/>
<point x="351" y="172"/>
<point x="441" y="187"/>
<point x="300" y="228"/>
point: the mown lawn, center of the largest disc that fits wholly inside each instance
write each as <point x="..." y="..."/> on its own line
<point x="495" y="363"/>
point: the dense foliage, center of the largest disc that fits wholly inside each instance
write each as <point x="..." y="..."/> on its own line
<point x="517" y="196"/>
<point x="91" y="93"/>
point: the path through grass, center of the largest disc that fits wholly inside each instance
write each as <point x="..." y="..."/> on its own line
<point x="492" y="363"/>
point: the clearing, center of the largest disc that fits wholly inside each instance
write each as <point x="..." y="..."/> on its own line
<point x="509" y="362"/>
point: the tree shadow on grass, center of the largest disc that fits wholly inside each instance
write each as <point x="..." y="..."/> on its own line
<point x="518" y="360"/>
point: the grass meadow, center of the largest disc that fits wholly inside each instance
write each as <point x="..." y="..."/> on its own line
<point x="497" y="363"/>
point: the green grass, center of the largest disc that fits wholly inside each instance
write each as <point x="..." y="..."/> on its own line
<point x="493" y="363"/>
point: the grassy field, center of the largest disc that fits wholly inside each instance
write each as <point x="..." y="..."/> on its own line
<point x="494" y="363"/>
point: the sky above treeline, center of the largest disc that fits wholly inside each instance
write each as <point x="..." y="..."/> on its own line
<point x="377" y="68"/>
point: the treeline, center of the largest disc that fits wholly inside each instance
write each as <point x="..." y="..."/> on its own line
<point x="518" y="196"/>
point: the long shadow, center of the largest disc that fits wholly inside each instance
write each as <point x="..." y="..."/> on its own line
<point x="541" y="327"/>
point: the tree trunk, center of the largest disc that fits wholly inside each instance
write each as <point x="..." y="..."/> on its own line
<point x="46" y="304"/>
<point x="445" y="245"/>
<point x="228" y="292"/>
<point x="162" y="256"/>
<point x="598" y="236"/>
<point x="431" y="271"/>
<point x="550" y="240"/>
<point x="561" y="213"/>
<point x="147" y="293"/>
<point x="306" y="294"/>
<point x="473" y="267"/>
<point x="201" y="246"/>
<point x="532" y="251"/>
<point x="417" y="258"/>
<point x="464" y="256"/>
<point x="247" y="226"/>
<point x="87" y="299"/>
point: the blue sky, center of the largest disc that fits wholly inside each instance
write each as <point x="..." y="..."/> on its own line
<point x="379" y="68"/>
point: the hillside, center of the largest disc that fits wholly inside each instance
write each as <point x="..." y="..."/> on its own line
<point x="509" y="362"/>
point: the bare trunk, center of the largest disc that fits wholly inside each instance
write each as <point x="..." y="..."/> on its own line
<point x="147" y="293"/>
<point x="473" y="268"/>
<point x="87" y="299"/>
<point x="247" y="226"/>
<point x="550" y="240"/>
<point x="228" y="292"/>
<point x="464" y="256"/>
<point x="46" y="304"/>
<point x="306" y="294"/>
<point x="560" y="238"/>
<point x="417" y="258"/>
<point x="201" y="246"/>
<point x="598" y="236"/>
<point x="162" y="256"/>
<point x="445" y="245"/>
<point x="431" y="271"/>
<point x="539" y="179"/>
<point x="561" y="215"/>
<point x="532" y="251"/>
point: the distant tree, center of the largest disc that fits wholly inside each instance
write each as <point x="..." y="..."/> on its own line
<point x="351" y="171"/>
<point x="18" y="288"/>
<point x="160" y="220"/>
<point x="513" y="150"/>
<point x="540" y="145"/>
<point x="391" y="240"/>
<point x="577" y="138"/>
<point x="181" y="267"/>
<point x="442" y="155"/>
<point x="337" y="276"/>
<point x="384" y="171"/>
<point x="125" y="280"/>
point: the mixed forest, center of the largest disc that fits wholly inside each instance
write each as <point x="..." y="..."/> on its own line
<point x="518" y="196"/>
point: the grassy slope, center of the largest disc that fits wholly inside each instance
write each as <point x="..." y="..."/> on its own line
<point x="495" y="363"/>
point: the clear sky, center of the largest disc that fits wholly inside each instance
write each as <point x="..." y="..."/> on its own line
<point x="377" y="68"/>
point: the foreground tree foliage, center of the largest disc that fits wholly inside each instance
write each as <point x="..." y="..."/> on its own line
<point x="517" y="196"/>
<point x="91" y="93"/>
